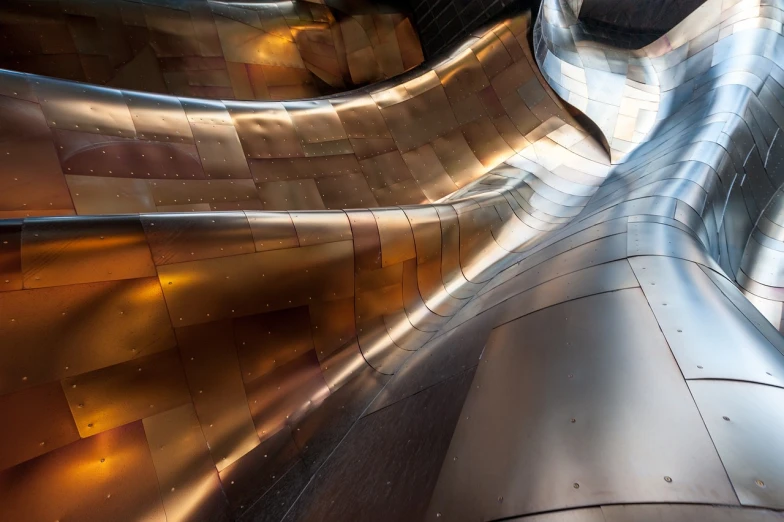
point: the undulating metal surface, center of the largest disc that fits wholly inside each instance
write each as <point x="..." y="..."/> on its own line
<point x="211" y="48"/>
<point x="435" y="299"/>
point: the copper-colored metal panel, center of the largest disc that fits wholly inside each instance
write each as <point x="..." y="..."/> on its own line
<point x="106" y="477"/>
<point x="104" y="399"/>
<point x="397" y="240"/>
<point x="256" y="281"/>
<point x="272" y="230"/>
<point x="300" y="194"/>
<point x="314" y="228"/>
<point x="265" y="130"/>
<point x="379" y="293"/>
<point x="455" y="155"/>
<point x="102" y="195"/>
<point x="439" y="120"/>
<point x="345" y="191"/>
<point x="206" y="112"/>
<point x="267" y="341"/>
<point x="428" y="172"/>
<point x="332" y="325"/>
<point x="189" y="484"/>
<point x="316" y="121"/>
<point x="302" y="168"/>
<point x="132" y="313"/>
<point x="84" y="108"/>
<point x="367" y="243"/>
<point x="41" y="433"/>
<point x="174" y="192"/>
<point x="213" y="372"/>
<point x="82" y="250"/>
<point x="510" y="134"/>
<point x="487" y="145"/>
<point x="31" y="178"/>
<point x="281" y="397"/>
<point x="174" y="238"/>
<point x="462" y="76"/>
<point x="401" y="193"/>
<point x="159" y="118"/>
<point x="492" y="55"/>
<point x="385" y="170"/>
<point x="220" y="151"/>
<point x="361" y="117"/>
<point x="368" y="147"/>
<point x="10" y="255"/>
<point x="17" y="85"/>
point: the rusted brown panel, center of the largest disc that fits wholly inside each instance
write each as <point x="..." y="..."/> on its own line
<point x="367" y="243"/>
<point x="37" y="421"/>
<point x="10" y="255"/>
<point x="104" y="399"/>
<point x="174" y="238"/>
<point x="272" y="230"/>
<point x="210" y="360"/>
<point x="265" y="281"/>
<point x="281" y="397"/>
<point x="247" y="479"/>
<point x="56" y="332"/>
<point x="188" y="482"/>
<point x="106" y="477"/>
<point x="299" y="194"/>
<point x="332" y="325"/>
<point x="267" y="341"/>
<point x="83" y="250"/>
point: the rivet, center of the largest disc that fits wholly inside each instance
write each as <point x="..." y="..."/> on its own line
<point x="667" y="479"/>
<point x="726" y="418"/>
<point x="759" y="483"/>
<point x="576" y="485"/>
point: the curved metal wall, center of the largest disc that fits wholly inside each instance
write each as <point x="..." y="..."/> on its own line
<point x="545" y="335"/>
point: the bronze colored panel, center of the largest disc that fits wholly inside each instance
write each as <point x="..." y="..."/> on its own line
<point x="189" y="485"/>
<point x="431" y="112"/>
<point x="314" y="228"/>
<point x="266" y="130"/>
<point x="220" y="151"/>
<point x="451" y="273"/>
<point x="402" y="193"/>
<point x="327" y="148"/>
<point x="455" y="155"/>
<point x="300" y="194"/>
<point x="10" y="255"/>
<point x="368" y="147"/>
<point x="367" y="243"/>
<point x="361" y="117"/>
<point x="510" y="134"/>
<point x="43" y="414"/>
<point x="469" y="109"/>
<point x="21" y="119"/>
<point x="90" y="154"/>
<point x="174" y="238"/>
<point x="31" y="179"/>
<point x="512" y="78"/>
<point x="462" y="76"/>
<point x="131" y="313"/>
<point x="101" y="195"/>
<point x="421" y="317"/>
<point x="175" y="192"/>
<point x="428" y="172"/>
<point x="260" y="282"/>
<point x="486" y="144"/>
<point x="491" y="102"/>
<point x="210" y="360"/>
<point x="240" y="81"/>
<point x="206" y="112"/>
<point x="254" y="205"/>
<point x="16" y="85"/>
<point x="333" y="325"/>
<point x="385" y="170"/>
<point x="492" y="55"/>
<point x="283" y="396"/>
<point x="267" y="341"/>
<point x="250" y="477"/>
<point x="302" y="168"/>
<point x="345" y="191"/>
<point x="272" y="230"/>
<point x="82" y="250"/>
<point x="316" y="121"/>
<point x="159" y="118"/>
<point x="379" y="293"/>
<point x="106" y="477"/>
<point x="397" y="240"/>
<point x="86" y="108"/>
<point x="104" y="399"/>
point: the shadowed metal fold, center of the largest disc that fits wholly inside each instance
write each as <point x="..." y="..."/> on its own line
<point x="435" y="298"/>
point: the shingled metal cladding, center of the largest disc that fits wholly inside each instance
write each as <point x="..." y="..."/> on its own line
<point x="532" y="330"/>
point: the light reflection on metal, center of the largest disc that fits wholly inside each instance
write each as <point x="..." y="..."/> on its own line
<point x="294" y="360"/>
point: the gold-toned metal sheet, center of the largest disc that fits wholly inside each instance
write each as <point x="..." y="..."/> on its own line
<point x="397" y="240"/>
<point x="85" y="108"/>
<point x="487" y="145"/>
<point x="272" y="230"/>
<point x="158" y="118"/>
<point x="220" y="151"/>
<point x="106" y="477"/>
<point x="405" y="192"/>
<point x="130" y="312"/>
<point x="110" y="397"/>
<point x="401" y="117"/>
<point x="345" y="191"/>
<point x="10" y="255"/>
<point x="361" y="118"/>
<point x="103" y="195"/>
<point x="265" y="130"/>
<point x="167" y="192"/>
<point x="302" y="194"/>
<point x="60" y="251"/>
<point x="385" y="170"/>
<point x="314" y="228"/>
<point x="174" y="238"/>
<point x="367" y="243"/>
<point x="462" y="76"/>
<point x="213" y="372"/>
<point x="332" y="325"/>
<point x="369" y="147"/>
<point x="428" y="172"/>
<point x="41" y="433"/>
<point x="455" y="155"/>
<point x="267" y="341"/>
<point x="315" y="121"/>
<point x="255" y="283"/>
<point x="492" y="55"/>
<point x="281" y="397"/>
<point x="303" y="168"/>
<point x="189" y="484"/>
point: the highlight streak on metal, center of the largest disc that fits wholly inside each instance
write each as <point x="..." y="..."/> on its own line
<point x="434" y="298"/>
